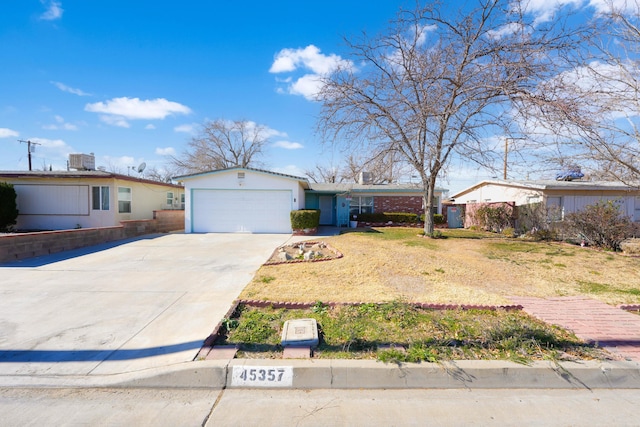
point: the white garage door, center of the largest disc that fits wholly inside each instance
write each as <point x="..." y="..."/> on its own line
<point x="231" y="211"/>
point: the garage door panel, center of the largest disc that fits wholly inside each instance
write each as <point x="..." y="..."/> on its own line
<point x="255" y="211"/>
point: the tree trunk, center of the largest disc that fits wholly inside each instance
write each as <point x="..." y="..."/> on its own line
<point x="428" y="207"/>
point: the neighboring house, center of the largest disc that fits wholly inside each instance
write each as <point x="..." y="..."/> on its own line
<point x="339" y="202"/>
<point x="259" y="201"/>
<point x="59" y="200"/>
<point x="563" y="196"/>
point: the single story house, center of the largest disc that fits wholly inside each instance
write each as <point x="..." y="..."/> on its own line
<point x="565" y="196"/>
<point x="241" y="200"/>
<point x="259" y="201"/>
<point x="61" y="200"/>
<point x="340" y="202"/>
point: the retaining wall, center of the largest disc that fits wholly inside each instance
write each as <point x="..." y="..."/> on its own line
<point x="26" y="245"/>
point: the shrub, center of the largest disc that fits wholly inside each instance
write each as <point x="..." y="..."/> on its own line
<point x="509" y="232"/>
<point x="395" y="217"/>
<point x="438" y="219"/>
<point x="539" y="221"/>
<point x="601" y="224"/>
<point x="494" y="218"/>
<point x="305" y="218"/>
<point x="8" y="206"/>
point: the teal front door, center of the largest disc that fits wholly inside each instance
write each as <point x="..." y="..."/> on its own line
<point x="326" y="210"/>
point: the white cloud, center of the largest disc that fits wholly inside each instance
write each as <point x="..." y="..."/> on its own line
<point x="544" y="10"/>
<point x="168" y="151"/>
<point x="287" y="145"/>
<point x="115" y="121"/>
<point x="310" y="58"/>
<point x="63" y="87"/>
<point x="8" y="133"/>
<point x="118" y="110"/>
<point x="505" y="30"/>
<point x="150" y="127"/>
<point x="265" y="132"/>
<point x="603" y="6"/>
<point x="60" y="125"/>
<point x="306" y="59"/>
<point x="187" y="128"/>
<point x="308" y="86"/>
<point x="54" y="10"/>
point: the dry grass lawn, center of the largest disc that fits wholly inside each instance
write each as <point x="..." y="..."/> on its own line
<point x="464" y="268"/>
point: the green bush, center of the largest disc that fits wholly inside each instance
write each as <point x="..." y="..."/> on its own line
<point x="438" y="219"/>
<point x="8" y="206"/>
<point x="395" y="217"/>
<point x="305" y="218"/>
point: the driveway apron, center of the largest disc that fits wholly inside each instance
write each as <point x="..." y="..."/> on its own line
<point x="141" y="304"/>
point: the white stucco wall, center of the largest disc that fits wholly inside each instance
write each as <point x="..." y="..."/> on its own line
<point x="228" y="180"/>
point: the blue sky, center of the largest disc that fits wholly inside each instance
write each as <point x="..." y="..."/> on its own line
<point x="131" y="80"/>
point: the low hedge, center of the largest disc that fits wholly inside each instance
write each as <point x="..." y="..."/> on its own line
<point x="437" y="218"/>
<point x="305" y="218"/>
<point x="395" y="217"/>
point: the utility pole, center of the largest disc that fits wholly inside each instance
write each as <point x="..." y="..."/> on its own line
<point x="29" y="149"/>
<point x="506" y="155"/>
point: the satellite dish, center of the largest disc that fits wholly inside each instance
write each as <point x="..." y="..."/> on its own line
<point x="141" y="167"/>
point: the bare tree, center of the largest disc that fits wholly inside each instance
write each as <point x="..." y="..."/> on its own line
<point x="437" y="84"/>
<point x="593" y="109"/>
<point x="321" y="173"/>
<point x="223" y="144"/>
<point x="383" y="168"/>
<point x="163" y="174"/>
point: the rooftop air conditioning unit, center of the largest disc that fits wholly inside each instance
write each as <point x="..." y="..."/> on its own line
<point x="82" y="162"/>
<point x="365" y="178"/>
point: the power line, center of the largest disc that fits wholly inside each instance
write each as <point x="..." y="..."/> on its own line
<point x="29" y="149"/>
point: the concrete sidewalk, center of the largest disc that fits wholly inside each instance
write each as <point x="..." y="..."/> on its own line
<point x="126" y="307"/>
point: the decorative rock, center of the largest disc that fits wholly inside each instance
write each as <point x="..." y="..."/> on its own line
<point x="283" y="256"/>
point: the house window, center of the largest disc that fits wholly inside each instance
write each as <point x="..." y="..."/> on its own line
<point x="182" y="200"/>
<point x="169" y="198"/>
<point x="100" y="199"/>
<point x="124" y="200"/>
<point x="636" y="213"/>
<point x="361" y="204"/>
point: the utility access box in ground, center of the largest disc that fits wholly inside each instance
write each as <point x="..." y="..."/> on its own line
<point x="300" y="333"/>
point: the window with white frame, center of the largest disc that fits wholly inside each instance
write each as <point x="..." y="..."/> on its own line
<point x="169" y="198"/>
<point x="124" y="200"/>
<point x="361" y="204"/>
<point x="182" y="200"/>
<point x="100" y="198"/>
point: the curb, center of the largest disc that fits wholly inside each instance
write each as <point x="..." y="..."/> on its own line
<point x="355" y="374"/>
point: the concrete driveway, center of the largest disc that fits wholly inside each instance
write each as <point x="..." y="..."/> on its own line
<point x="125" y="307"/>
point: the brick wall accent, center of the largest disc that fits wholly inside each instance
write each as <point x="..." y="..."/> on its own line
<point x="26" y="245"/>
<point x="408" y="204"/>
